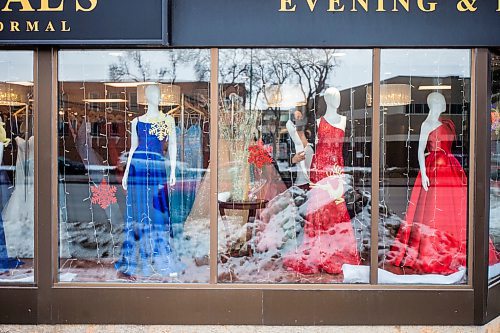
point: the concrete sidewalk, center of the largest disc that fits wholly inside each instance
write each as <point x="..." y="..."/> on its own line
<point x="493" y="327"/>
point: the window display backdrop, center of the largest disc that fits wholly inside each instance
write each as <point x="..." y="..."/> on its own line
<point x="133" y="155"/>
<point x="494" y="256"/>
<point x="425" y="111"/>
<point x="294" y="165"/>
<point x="17" y="144"/>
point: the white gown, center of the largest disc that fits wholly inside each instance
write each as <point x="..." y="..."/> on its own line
<point x="18" y="215"/>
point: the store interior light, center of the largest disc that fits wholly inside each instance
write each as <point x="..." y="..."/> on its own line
<point x="104" y="100"/>
<point x="440" y="87"/>
<point x="284" y="96"/>
<point x="395" y="94"/>
<point x="22" y="83"/>
<point x="170" y="94"/>
<point x="123" y="84"/>
<point x="14" y="94"/>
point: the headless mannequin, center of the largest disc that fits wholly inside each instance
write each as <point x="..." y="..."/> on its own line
<point x="302" y="149"/>
<point x="332" y="99"/>
<point x="437" y="105"/>
<point x="153" y="114"/>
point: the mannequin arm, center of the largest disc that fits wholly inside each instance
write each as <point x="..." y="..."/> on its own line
<point x="1" y="153"/>
<point x="133" y="146"/>
<point x="422" y="143"/>
<point x="172" y="152"/>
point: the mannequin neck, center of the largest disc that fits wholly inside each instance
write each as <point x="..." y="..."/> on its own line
<point x="332" y="114"/>
<point x="433" y="115"/>
<point x="152" y="110"/>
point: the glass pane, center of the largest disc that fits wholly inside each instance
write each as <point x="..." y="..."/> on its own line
<point x="17" y="144"/>
<point x="425" y="107"/>
<point x="133" y="157"/>
<point x="294" y="165"/>
<point x="494" y="241"/>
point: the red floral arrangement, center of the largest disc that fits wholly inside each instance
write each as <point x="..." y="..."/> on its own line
<point x="103" y="194"/>
<point x="259" y="154"/>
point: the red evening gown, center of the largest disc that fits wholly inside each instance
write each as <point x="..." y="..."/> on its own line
<point x="328" y="235"/>
<point x="433" y="238"/>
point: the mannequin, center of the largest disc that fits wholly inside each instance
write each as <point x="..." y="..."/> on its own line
<point x="437" y="105"/>
<point x="18" y="213"/>
<point x="433" y="237"/>
<point x="332" y="99"/>
<point x="328" y="241"/>
<point x="148" y="219"/>
<point x="304" y="154"/>
<point x="152" y="114"/>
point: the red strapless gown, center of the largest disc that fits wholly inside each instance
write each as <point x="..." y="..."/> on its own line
<point x="433" y="238"/>
<point x="328" y="235"/>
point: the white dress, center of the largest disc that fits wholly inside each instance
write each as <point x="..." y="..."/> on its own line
<point x="18" y="215"/>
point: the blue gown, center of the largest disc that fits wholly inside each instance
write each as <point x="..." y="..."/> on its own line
<point x="146" y="250"/>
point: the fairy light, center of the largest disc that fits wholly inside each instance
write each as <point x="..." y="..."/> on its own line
<point x="351" y="149"/>
<point x="89" y="180"/>
<point x="64" y="207"/>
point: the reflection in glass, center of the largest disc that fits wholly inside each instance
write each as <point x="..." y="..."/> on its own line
<point x="294" y="166"/>
<point x="133" y="154"/>
<point x="494" y="247"/>
<point x="17" y="144"/>
<point x="424" y="184"/>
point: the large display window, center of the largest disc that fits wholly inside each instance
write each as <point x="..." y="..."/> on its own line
<point x="133" y="155"/>
<point x="294" y="165"/>
<point x="425" y="117"/>
<point x="17" y="167"/>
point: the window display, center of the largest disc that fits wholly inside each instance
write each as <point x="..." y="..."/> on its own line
<point x="134" y="148"/>
<point x="494" y="246"/>
<point x="17" y="146"/>
<point x="294" y="165"/>
<point x="425" y="116"/>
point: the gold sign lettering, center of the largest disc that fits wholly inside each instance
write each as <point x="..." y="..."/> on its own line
<point x="466" y="6"/>
<point x="334" y="6"/>
<point x="32" y="26"/>
<point x="50" y="27"/>
<point x="45" y="6"/>
<point x="380" y="6"/>
<point x="14" y="26"/>
<point x="431" y="6"/>
<point x="498" y="9"/>
<point x="312" y="4"/>
<point x="93" y="4"/>
<point x="1" y="26"/>
<point x="362" y="3"/>
<point x="404" y="3"/>
<point x="65" y="27"/>
<point x="25" y="6"/>
<point x="286" y="6"/>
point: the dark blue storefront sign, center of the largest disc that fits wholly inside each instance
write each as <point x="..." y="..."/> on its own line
<point x="348" y="23"/>
<point x="98" y="22"/>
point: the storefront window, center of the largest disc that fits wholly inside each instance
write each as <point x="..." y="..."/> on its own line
<point x="494" y="241"/>
<point x="294" y="165"/>
<point x="133" y="157"/>
<point x="17" y="144"/>
<point x="424" y="169"/>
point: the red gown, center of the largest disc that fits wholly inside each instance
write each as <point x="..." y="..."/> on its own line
<point x="433" y="238"/>
<point x="329" y="240"/>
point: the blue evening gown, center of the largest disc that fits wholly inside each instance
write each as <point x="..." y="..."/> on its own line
<point x="147" y="250"/>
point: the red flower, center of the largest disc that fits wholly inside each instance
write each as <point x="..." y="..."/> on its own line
<point x="103" y="194"/>
<point x="259" y="155"/>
